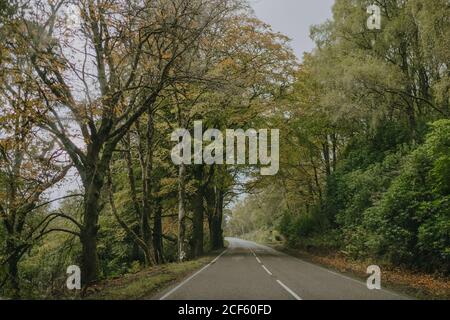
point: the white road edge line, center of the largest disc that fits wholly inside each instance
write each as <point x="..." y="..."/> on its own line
<point x="343" y="276"/>
<point x="267" y="270"/>
<point x="330" y="271"/>
<point x="289" y="290"/>
<point x="191" y="277"/>
<point x="259" y="261"/>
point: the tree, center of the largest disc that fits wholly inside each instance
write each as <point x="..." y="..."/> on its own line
<point x="128" y="52"/>
<point x="355" y="175"/>
<point x="248" y="67"/>
<point x="30" y="165"/>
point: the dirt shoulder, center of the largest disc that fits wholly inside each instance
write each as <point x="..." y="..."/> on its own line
<point x="415" y="284"/>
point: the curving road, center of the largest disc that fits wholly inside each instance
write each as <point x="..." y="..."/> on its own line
<point x="250" y="271"/>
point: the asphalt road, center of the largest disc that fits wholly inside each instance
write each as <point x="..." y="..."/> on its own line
<point x="250" y="271"/>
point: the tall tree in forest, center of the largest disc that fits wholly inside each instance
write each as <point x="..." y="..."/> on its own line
<point x="121" y="55"/>
<point x="30" y="165"/>
<point x="386" y="73"/>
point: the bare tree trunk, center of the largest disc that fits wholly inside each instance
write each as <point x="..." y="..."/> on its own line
<point x="326" y="156"/>
<point x="216" y="232"/>
<point x="88" y="235"/>
<point x="139" y="242"/>
<point x="131" y="177"/>
<point x="410" y="111"/>
<point x="198" y="214"/>
<point x="133" y="194"/>
<point x="145" y="229"/>
<point x="13" y="270"/>
<point x="146" y="162"/>
<point x="316" y="177"/>
<point x="181" y="213"/>
<point x="210" y="210"/>
<point x="157" y="235"/>
<point x="334" y="151"/>
<point x="93" y="181"/>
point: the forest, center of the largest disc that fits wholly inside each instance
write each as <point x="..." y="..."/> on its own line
<point x="364" y="161"/>
<point x="91" y="91"/>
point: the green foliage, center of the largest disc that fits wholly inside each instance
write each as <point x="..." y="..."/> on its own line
<point x="360" y="169"/>
<point x="363" y="171"/>
<point x="308" y="231"/>
<point x="371" y="148"/>
<point x="361" y="188"/>
<point x="398" y="209"/>
<point x="43" y="272"/>
<point x="296" y="227"/>
<point x="7" y="8"/>
<point x="411" y="221"/>
<point x="257" y="212"/>
<point x="115" y="248"/>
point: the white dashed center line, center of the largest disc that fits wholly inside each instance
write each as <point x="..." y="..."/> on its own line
<point x="289" y="290"/>
<point x="285" y="287"/>
<point x="267" y="270"/>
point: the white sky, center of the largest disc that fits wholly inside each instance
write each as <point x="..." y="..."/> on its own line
<point x="294" y="18"/>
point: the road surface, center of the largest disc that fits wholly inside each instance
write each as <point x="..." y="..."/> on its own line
<point x="250" y="271"/>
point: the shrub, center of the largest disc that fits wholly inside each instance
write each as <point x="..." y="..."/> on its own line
<point x="412" y="218"/>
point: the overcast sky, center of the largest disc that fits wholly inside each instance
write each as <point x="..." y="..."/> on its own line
<point x="293" y="18"/>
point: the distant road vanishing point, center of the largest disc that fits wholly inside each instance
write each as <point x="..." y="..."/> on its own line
<point x="250" y="271"/>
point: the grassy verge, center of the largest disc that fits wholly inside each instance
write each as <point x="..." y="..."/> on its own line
<point x="415" y="284"/>
<point x="146" y="283"/>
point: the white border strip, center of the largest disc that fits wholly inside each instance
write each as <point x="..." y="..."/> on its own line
<point x="192" y="276"/>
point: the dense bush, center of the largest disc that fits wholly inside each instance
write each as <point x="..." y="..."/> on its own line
<point x="297" y="227"/>
<point x="412" y="219"/>
<point x="396" y="209"/>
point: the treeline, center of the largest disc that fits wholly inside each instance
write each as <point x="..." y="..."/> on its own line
<point x="90" y="92"/>
<point x="365" y="167"/>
